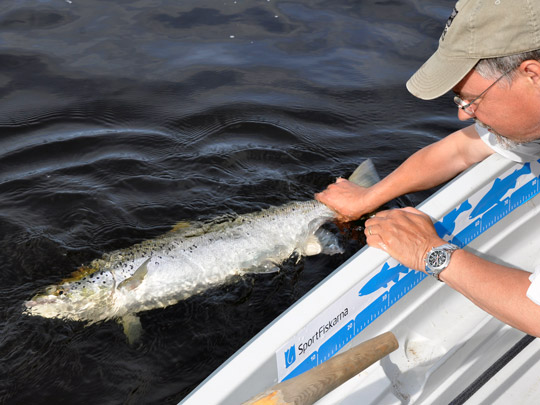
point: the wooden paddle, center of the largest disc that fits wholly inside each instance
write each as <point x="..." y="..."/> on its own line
<point x="309" y="387"/>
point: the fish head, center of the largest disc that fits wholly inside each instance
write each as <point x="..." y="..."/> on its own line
<point x="49" y="304"/>
<point x="78" y="298"/>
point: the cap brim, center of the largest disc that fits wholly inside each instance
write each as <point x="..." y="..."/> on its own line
<point x="439" y="75"/>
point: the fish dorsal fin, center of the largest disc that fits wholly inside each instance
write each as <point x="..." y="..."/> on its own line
<point x="188" y="229"/>
<point x="136" y="279"/>
<point x="181" y="226"/>
<point x="365" y="175"/>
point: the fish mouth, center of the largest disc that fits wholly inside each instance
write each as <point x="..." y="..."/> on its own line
<point x="41" y="306"/>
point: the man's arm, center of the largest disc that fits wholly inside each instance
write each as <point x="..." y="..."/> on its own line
<point x="408" y="234"/>
<point x="429" y="167"/>
<point x="496" y="289"/>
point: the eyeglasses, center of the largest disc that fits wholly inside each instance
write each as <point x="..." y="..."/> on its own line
<point x="468" y="106"/>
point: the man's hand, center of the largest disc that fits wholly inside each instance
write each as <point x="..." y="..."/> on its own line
<point x="406" y="234"/>
<point x="347" y="199"/>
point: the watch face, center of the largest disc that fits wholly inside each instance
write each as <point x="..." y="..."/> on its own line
<point x="437" y="259"/>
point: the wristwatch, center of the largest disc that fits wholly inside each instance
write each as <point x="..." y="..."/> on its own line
<point x="438" y="259"/>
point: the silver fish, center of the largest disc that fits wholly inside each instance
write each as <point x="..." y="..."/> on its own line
<point x="188" y="260"/>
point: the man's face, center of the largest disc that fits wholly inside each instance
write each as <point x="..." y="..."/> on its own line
<point x="508" y="110"/>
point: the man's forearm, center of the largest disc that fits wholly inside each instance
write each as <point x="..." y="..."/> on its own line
<point x="421" y="171"/>
<point x="499" y="290"/>
<point x="431" y="166"/>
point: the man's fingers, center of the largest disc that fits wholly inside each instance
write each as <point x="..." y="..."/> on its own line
<point x="412" y="210"/>
<point x="371" y="230"/>
<point x="376" y="241"/>
<point x="383" y="214"/>
<point x="417" y="212"/>
<point x="323" y="195"/>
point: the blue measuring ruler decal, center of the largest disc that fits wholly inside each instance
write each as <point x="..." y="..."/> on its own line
<point x="491" y="204"/>
<point x="391" y="281"/>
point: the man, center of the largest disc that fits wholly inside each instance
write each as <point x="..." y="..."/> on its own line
<point x="489" y="55"/>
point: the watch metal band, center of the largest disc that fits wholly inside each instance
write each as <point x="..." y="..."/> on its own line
<point x="441" y="257"/>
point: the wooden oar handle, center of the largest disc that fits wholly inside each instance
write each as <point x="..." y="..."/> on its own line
<point x="309" y="387"/>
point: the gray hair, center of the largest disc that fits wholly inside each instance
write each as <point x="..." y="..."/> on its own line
<point x="494" y="67"/>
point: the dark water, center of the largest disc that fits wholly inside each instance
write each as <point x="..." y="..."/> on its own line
<point x="120" y="118"/>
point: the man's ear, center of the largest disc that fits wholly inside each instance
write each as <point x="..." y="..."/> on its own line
<point x="531" y="69"/>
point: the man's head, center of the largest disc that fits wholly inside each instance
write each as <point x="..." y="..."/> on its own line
<point x="507" y="102"/>
<point x="478" y="30"/>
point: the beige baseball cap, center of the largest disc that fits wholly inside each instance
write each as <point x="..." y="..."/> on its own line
<point x="477" y="29"/>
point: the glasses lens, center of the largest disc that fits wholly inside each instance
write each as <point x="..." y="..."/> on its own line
<point x="465" y="105"/>
<point x="459" y="102"/>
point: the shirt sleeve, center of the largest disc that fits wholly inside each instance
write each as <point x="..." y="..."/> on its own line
<point x="533" y="293"/>
<point x="523" y="152"/>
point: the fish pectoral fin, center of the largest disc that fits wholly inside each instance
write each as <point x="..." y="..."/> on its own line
<point x="323" y="242"/>
<point x="365" y="175"/>
<point x="136" y="279"/>
<point x="132" y="327"/>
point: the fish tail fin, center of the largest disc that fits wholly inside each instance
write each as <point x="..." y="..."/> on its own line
<point x="365" y="175"/>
